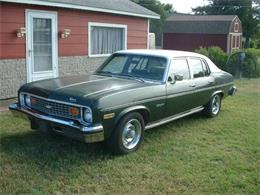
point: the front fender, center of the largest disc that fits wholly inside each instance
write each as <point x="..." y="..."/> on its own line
<point x="131" y="109"/>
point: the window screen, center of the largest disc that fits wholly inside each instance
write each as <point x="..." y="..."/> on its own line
<point x="42" y="44"/>
<point x="106" y="40"/>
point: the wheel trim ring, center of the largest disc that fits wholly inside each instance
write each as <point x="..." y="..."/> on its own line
<point x="131" y="134"/>
<point x="216" y="104"/>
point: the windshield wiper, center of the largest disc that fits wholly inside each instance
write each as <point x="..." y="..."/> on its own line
<point x="107" y="73"/>
<point x="131" y="76"/>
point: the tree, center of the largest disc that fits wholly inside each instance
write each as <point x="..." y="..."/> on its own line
<point x="247" y="10"/>
<point x="164" y="10"/>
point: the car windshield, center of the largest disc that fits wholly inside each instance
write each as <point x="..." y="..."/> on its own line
<point x="134" y="66"/>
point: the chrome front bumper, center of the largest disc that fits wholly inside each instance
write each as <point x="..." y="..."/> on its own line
<point x="88" y="134"/>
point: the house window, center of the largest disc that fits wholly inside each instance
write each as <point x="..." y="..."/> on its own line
<point x="236" y="27"/>
<point x="235" y="41"/>
<point x="105" y="39"/>
<point x="238" y="42"/>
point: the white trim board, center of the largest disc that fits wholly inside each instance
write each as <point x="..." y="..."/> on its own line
<point x="109" y="25"/>
<point x="79" y="7"/>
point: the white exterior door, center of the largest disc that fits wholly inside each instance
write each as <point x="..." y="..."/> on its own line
<point x="41" y="45"/>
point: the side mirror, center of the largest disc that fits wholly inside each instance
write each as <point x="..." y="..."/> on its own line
<point x="178" y="77"/>
<point x="171" y="79"/>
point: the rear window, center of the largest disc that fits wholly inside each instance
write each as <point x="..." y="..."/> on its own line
<point x="199" y="68"/>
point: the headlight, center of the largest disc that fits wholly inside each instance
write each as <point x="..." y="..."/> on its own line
<point x="28" y="100"/>
<point x="21" y="99"/>
<point x="87" y="115"/>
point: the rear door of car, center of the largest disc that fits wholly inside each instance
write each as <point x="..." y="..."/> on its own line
<point x="180" y="93"/>
<point x="203" y="81"/>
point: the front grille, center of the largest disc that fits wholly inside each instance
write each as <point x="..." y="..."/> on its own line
<point x="53" y="108"/>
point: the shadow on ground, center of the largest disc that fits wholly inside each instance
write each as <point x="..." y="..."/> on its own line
<point x="43" y="147"/>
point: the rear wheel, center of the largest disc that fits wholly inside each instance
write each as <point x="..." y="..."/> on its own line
<point x="128" y="134"/>
<point x="213" y="107"/>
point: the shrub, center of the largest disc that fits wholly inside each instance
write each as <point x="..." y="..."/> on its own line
<point x="216" y="54"/>
<point x="251" y="65"/>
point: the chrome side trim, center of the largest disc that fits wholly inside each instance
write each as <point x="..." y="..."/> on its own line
<point x="68" y="123"/>
<point x="174" y="117"/>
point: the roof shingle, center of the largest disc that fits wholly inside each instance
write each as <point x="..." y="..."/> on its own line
<point x="209" y="24"/>
<point x="123" y="7"/>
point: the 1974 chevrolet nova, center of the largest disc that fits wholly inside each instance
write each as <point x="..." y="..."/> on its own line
<point x="132" y="91"/>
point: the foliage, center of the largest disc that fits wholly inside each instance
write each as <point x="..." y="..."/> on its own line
<point x="216" y="54"/>
<point x="164" y="10"/>
<point x="193" y="155"/>
<point x="250" y="66"/>
<point x="248" y="14"/>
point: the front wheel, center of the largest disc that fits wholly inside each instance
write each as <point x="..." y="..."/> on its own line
<point x="213" y="107"/>
<point x="128" y="134"/>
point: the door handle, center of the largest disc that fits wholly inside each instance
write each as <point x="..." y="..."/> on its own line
<point x="192" y="85"/>
<point x="210" y="82"/>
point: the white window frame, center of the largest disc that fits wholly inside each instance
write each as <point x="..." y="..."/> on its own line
<point x="109" y="25"/>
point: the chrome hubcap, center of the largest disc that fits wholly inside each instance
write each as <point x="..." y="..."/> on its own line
<point x="215" y="104"/>
<point x="131" y="133"/>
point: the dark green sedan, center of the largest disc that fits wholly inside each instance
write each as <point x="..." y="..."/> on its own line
<point x="132" y="91"/>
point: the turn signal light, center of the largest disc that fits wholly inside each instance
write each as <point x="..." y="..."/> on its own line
<point x="74" y="111"/>
<point x="33" y="101"/>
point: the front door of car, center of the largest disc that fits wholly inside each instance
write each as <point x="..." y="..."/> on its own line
<point x="180" y="91"/>
<point x="203" y="81"/>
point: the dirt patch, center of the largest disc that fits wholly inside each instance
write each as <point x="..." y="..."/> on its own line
<point x="5" y="103"/>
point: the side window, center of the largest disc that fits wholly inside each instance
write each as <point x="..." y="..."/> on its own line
<point x="205" y="68"/>
<point x="197" y="68"/>
<point x="180" y="66"/>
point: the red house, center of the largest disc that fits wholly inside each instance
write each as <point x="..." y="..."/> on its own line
<point x="45" y="39"/>
<point x="189" y="32"/>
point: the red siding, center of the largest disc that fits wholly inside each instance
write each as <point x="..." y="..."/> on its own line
<point x="190" y="42"/>
<point x="13" y="17"/>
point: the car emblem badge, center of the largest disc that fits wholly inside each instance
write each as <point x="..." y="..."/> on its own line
<point x="72" y="99"/>
<point x="48" y="106"/>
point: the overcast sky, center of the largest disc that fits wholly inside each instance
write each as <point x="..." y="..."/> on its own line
<point x="184" y="6"/>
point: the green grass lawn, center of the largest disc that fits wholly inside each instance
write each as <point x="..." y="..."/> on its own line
<point x="191" y="155"/>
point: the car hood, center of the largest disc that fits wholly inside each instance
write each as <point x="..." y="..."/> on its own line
<point x="79" y="87"/>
